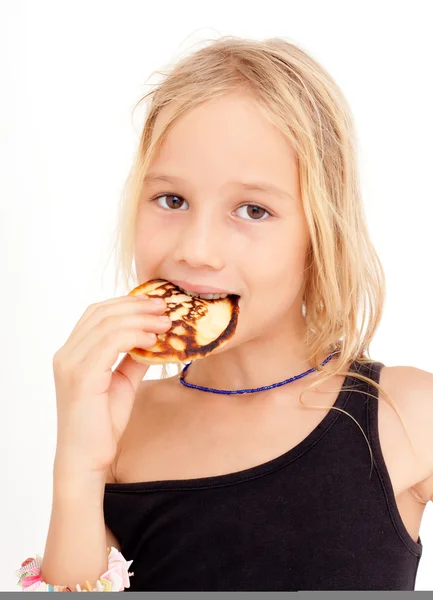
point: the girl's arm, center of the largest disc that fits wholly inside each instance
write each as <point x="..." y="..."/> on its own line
<point x="76" y="546"/>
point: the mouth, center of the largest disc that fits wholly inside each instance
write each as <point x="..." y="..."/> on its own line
<point x="201" y="291"/>
<point x="204" y="296"/>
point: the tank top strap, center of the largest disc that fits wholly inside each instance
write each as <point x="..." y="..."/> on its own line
<point x="363" y="398"/>
<point x="363" y="405"/>
<point x="361" y="392"/>
<point x="370" y="370"/>
<point x="370" y="409"/>
<point x="370" y="394"/>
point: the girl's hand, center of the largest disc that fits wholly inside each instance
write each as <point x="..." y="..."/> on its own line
<point x="94" y="403"/>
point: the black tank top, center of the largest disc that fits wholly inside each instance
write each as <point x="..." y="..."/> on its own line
<point x="310" y="519"/>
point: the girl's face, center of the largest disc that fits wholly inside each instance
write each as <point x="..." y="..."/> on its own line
<point x="221" y="208"/>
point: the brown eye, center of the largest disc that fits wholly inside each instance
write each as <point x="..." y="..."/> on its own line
<point x="173" y="202"/>
<point x="254" y="212"/>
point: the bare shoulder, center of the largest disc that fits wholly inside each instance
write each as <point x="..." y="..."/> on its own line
<point x="412" y="390"/>
<point x="152" y="395"/>
<point x="154" y="403"/>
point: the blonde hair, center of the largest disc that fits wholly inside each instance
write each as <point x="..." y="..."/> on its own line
<point x="344" y="276"/>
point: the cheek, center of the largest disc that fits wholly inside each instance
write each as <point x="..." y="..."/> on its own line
<point x="274" y="275"/>
<point x="150" y="249"/>
<point x="149" y="232"/>
<point x="276" y="264"/>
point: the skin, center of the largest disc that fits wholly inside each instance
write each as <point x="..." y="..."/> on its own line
<point x="205" y="230"/>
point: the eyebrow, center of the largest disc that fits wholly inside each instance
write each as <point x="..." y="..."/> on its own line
<point x="255" y="186"/>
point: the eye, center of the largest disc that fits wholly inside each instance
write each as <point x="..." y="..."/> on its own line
<point x="174" y="202"/>
<point x="255" y="212"/>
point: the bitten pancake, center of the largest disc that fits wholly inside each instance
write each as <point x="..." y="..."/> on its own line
<point x="199" y="326"/>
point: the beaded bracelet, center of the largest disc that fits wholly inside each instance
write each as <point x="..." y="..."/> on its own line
<point x="115" y="579"/>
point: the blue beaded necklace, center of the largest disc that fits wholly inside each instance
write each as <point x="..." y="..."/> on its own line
<point x="248" y="391"/>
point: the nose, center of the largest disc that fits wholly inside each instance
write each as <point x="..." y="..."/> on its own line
<point x="200" y="244"/>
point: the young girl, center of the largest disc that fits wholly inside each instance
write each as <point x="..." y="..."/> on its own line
<point x="245" y="183"/>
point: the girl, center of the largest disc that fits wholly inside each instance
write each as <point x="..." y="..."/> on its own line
<point x="245" y="182"/>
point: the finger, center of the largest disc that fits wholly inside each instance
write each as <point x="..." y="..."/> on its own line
<point x="109" y="329"/>
<point x="106" y="313"/>
<point x="102" y="356"/>
<point x="91" y="309"/>
<point x="132" y="370"/>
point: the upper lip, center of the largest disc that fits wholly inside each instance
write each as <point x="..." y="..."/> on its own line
<point x="199" y="289"/>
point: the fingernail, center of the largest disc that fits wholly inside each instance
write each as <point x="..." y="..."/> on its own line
<point x="165" y="319"/>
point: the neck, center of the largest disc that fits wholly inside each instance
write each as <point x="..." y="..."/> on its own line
<point x="259" y="362"/>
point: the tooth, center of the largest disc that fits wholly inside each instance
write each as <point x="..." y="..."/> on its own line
<point x="205" y="296"/>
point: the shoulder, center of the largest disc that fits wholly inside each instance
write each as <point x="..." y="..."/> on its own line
<point x="154" y="402"/>
<point x="151" y="411"/>
<point x="412" y="390"/>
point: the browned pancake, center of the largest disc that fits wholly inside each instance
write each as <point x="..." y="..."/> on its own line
<point x="199" y="326"/>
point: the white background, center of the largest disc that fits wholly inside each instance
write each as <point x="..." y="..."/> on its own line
<point x="70" y="75"/>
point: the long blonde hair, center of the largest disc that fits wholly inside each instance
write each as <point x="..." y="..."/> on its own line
<point x="344" y="278"/>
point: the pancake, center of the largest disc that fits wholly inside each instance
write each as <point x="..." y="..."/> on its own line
<point x="199" y="326"/>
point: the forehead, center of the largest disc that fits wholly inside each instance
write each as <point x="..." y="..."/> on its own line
<point x="225" y="138"/>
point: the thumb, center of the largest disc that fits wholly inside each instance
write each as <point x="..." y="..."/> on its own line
<point x="132" y="370"/>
